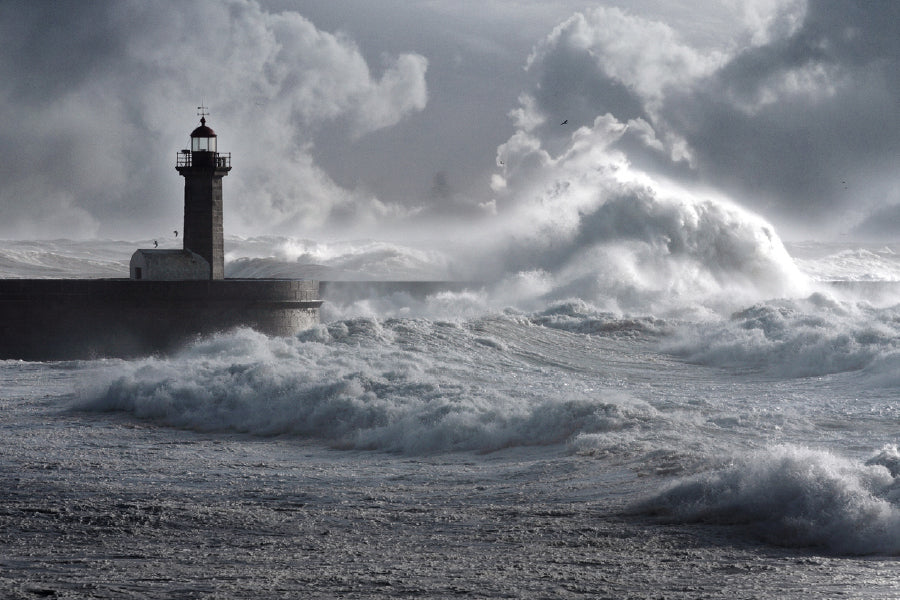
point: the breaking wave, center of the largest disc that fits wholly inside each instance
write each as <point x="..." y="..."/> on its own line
<point x="404" y="385"/>
<point x="657" y="254"/>
<point x="797" y="338"/>
<point x="865" y="262"/>
<point x="793" y="496"/>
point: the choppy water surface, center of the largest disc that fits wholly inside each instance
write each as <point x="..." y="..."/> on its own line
<point x="558" y="450"/>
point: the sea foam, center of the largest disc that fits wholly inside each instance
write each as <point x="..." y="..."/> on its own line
<point x="797" y="338"/>
<point x="794" y="496"/>
<point x="406" y="385"/>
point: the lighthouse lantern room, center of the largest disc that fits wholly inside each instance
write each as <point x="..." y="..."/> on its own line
<point x="203" y="139"/>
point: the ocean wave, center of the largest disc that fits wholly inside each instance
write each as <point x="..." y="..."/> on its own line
<point x="358" y="260"/>
<point x="73" y="259"/>
<point x="579" y="316"/>
<point x="797" y="338"/>
<point x="403" y="385"/>
<point x="798" y="497"/>
<point x="861" y="263"/>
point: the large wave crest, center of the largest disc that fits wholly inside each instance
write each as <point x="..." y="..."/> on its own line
<point x="402" y="385"/>
<point x="793" y="496"/>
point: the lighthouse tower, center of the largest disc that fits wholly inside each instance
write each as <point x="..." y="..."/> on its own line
<point x="203" y="168"/>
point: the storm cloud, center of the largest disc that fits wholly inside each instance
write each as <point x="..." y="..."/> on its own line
<point x="797" y="119"/>
<point x="97" y="98"/>
<point x="349" y="118"/>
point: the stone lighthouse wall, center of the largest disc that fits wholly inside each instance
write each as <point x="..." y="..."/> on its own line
<point x="203" y="211"/>
<point x="203" y="232"/>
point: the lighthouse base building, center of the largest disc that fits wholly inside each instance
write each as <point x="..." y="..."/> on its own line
<point x="171" y="297"/>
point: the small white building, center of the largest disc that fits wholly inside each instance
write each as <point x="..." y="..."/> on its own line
<point x="168" y="265"/>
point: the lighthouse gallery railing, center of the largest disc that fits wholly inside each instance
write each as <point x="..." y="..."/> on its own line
<point x="184" y="159"/>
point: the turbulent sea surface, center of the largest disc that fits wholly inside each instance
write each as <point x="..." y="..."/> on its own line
<point x="566" y="432"/>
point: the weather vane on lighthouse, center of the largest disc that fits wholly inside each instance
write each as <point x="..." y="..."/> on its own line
<point x="203" y="112"/>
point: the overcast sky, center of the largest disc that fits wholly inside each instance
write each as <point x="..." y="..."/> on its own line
<point x="393" y="118"/>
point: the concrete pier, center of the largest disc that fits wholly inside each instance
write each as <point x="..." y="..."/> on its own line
<point x="57" y="319"/>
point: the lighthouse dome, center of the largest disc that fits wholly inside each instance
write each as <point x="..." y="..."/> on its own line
<point x="203" y="131"/>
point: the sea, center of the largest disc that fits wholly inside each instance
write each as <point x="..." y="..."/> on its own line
<point x="690" y="418"/>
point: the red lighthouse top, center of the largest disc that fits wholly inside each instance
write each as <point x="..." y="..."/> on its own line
<point x="203" y="130"/>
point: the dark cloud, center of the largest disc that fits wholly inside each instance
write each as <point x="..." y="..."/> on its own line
<point x="570" y="89"/>
<point x="50" y="48"/>
<point x="799" y="121"/>
<point x="785" y="125"/>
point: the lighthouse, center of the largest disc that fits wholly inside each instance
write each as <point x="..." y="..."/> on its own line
<point x="203" y="253"/>
<point x="203" y="168"/>
<point x="172" y="295"/>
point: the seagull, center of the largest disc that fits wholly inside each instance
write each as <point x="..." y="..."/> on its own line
<point x="155" y="244"/>
<point x="564" y="122"/>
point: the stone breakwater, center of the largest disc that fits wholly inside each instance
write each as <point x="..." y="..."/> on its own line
<point x="57" y="319"/>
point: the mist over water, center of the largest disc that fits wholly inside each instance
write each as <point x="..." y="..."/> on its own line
<point x="628" y="247"/>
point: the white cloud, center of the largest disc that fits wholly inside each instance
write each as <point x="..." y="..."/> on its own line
<point x="591" y="206"/>
<point x="402" y="90"/>
<point x="271" y="80"/>
<point x="645" y="56"/>
<point x="809" y="84"/>
<point x="768" y="20"/>
<point x="527" y="116"/>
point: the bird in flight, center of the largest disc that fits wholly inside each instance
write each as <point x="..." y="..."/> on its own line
<point x="564" y="122"/>
<point x="176" y="233"/>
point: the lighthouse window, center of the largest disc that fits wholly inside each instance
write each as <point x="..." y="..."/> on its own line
<point x="203" y="144"/>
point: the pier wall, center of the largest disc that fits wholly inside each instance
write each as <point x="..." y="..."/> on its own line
<point x="50" y="319"/>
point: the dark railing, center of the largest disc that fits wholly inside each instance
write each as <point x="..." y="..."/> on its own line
<point x="184" y="158"/>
